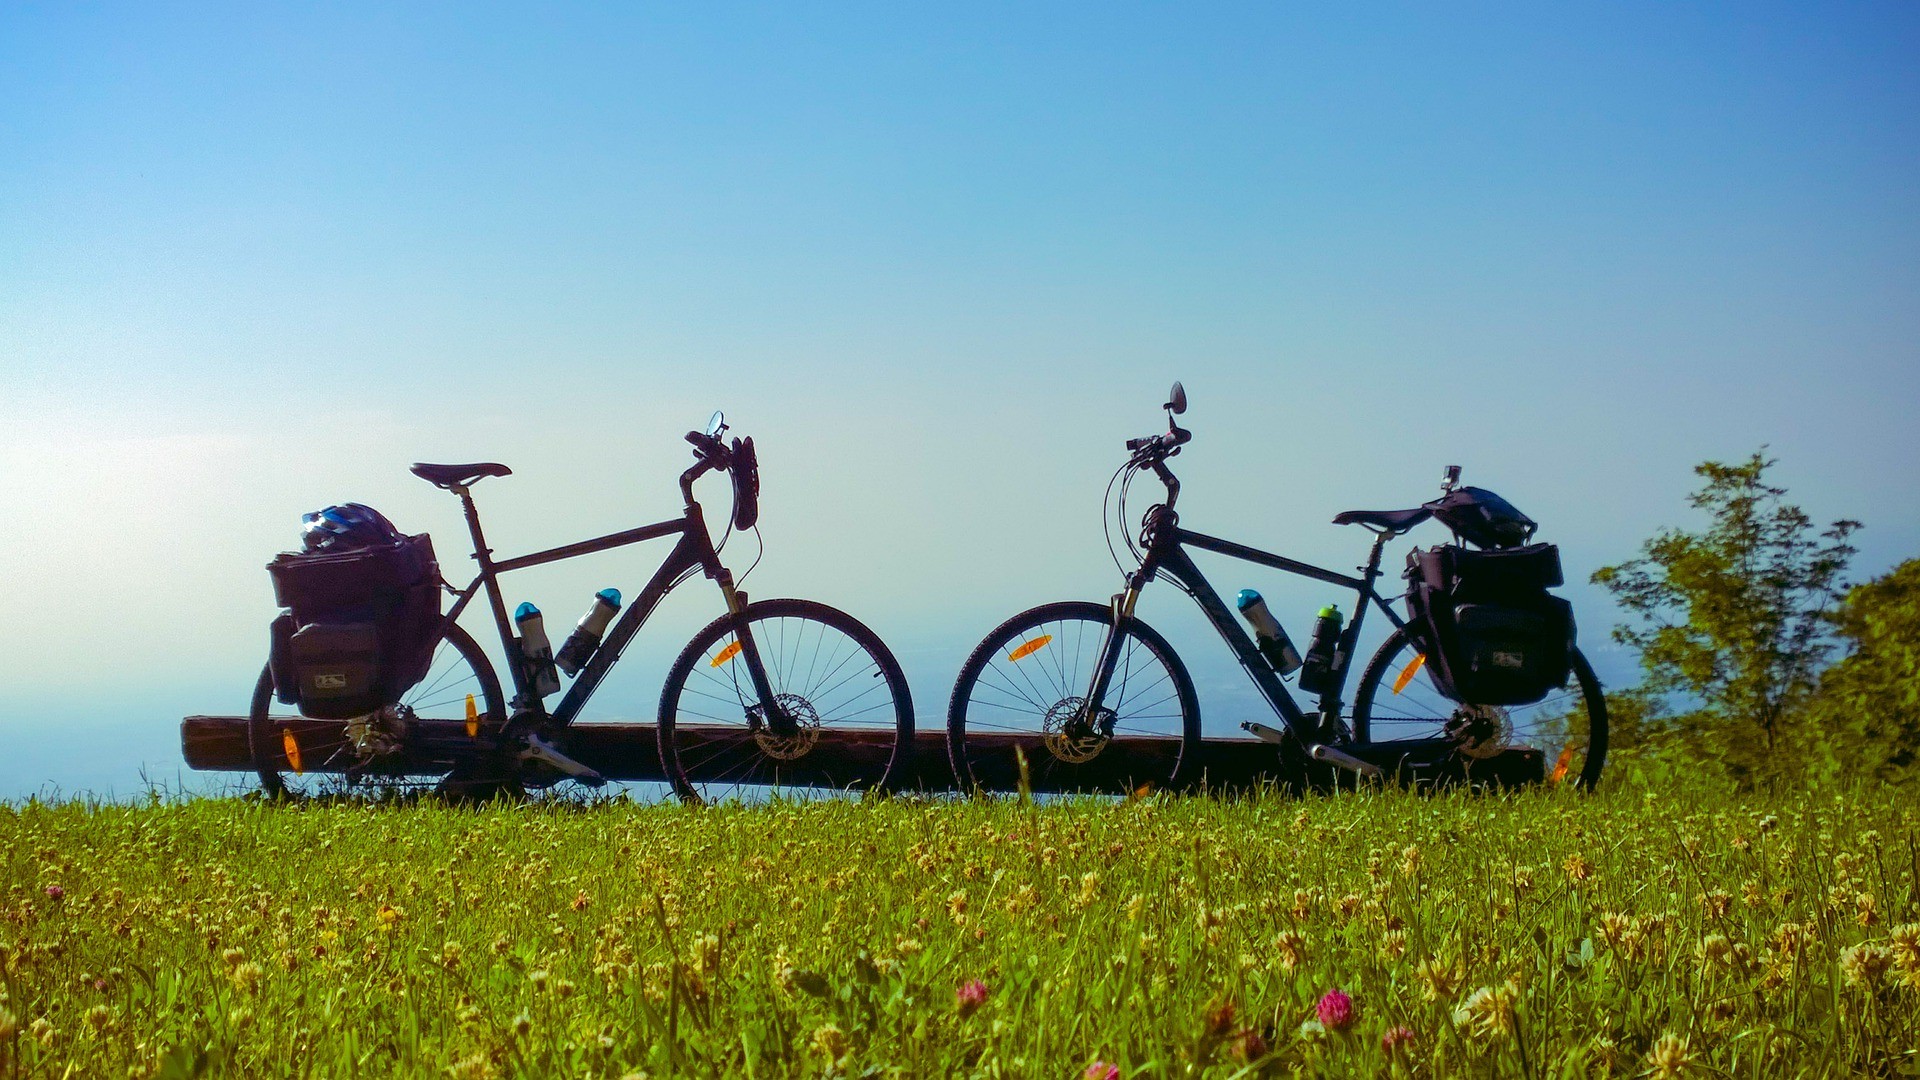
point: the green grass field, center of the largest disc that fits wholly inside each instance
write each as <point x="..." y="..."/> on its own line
<point x="1637" y="931"/>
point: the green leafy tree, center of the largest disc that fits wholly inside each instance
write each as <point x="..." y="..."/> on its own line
<point x="1869" y="701"/>
<point x="1734" y="619"/>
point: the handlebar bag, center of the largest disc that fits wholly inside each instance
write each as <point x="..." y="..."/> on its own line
<point x="1491" y="631"/>
<point x="363" y="625"/>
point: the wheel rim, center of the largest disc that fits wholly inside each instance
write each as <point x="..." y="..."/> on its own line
<point x="1029" y="692"/>
<point x="1401" y="702"/>
<point x="726" y="746"/>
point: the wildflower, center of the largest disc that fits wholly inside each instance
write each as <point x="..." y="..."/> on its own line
<point x="474" y="1066"/>
<point x="99" y="1017"/>
<point x="830" y="1042"/>
<point x="55" y="892"/>
<point x="1248" y="1046"/>
<point x="971" y="995"/>
<point x="234" y="957"/>
<point x="1439" y="982"/>
<point x="1398" y="1039"/>
<point x="1101" y="1070"/>
<point x="1864" y="904"/>
<point x="43" y="1032"/>
<point x="1410" y="861"/>
<point x="1716" y="904"/>
<point x="1393" y="944"/>
<point x="1715" y="949"/>
<point x="1768" y="824"/>
<point x="1578" y="869"/>
<point x="1291" y="948"/>
<point x="450" y="956"/>
<point x="1488" y="1012"/>
<point x="246" y="977"/>
<point x="1335" y="1010"/>
<point x="522" y="1024"/>
<point x="1220" y="1019"/>
<point x="1905" y="941"/>
<point x="1134" y="907"/>
<point x="581" y="901"/>
<point x="1669" y="1057"/>
<point x="1865" y="965"/>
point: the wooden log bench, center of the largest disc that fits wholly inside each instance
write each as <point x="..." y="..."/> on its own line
<point x="630" y="752"/>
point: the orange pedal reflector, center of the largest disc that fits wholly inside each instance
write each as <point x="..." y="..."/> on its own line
<point x="1030" y="647"/>
<point x="1560" y="767"/>
<point x="473" y="718"/>
<point x="292" y="747"/>
<point x="726" y="654"/>
<point x="1407" y="673"/>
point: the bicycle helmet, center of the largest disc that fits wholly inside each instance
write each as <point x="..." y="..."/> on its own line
<point x="1482" y="518"/>
<point x="346" y="526"/>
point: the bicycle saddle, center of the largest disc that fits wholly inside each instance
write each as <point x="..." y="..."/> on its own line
<point x="1398" y="521"/>
<point x="451" y="476"/>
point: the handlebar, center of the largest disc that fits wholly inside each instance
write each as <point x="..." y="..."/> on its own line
<point x="1152" y="446"/>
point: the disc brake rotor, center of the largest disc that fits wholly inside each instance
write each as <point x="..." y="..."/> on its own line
<point x="1069" y="737"/>
<point x="806" y="722"/>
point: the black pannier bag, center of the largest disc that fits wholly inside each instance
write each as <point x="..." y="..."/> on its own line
<point x="360" y="627"/>
<point x="1491" y="632"/>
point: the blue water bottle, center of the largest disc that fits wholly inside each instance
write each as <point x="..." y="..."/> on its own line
<point x="585" y="639"/>
<point x="536" y="650"/>
<point x="1267" y="633"/>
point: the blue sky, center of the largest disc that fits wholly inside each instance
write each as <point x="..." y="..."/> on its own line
<point x="255" y="259"/>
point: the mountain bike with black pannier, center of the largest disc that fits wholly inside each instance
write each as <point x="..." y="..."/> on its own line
<point x="1087" y="696"/>
<point x="391" y="691"/>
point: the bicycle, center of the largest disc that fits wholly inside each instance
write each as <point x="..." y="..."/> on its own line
<point x="744" y="703"/>
<point x="1087" y="696"/>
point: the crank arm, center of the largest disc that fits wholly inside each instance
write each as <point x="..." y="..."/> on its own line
<point x="540" y="750"/>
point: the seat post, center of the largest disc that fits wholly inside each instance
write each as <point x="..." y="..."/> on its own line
<point x="483" y="555"/>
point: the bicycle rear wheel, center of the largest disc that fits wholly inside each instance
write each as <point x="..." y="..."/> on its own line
<point x="1397" y="700"/>
<point x="844" y="717"/>
<point x="297" y="756"/>
<point x="1022" y="692"/>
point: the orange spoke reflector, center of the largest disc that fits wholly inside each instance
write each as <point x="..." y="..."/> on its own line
<point x="473" y="718"/>
<point x="1560" y="767"/>
<point x="726" y="654"/>
<point x="1030" y="647"/>
<point x="292" y="747"/>
<point x="1407" y="673"/>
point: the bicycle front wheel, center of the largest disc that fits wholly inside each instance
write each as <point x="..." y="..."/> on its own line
<point x="1397" y="700"/>
<point x="1021" y="697"/>
<point x="297" y="756"/>
<point x="840" y="716"/>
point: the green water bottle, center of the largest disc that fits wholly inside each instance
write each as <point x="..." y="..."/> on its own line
<point x="1316" y="672"/>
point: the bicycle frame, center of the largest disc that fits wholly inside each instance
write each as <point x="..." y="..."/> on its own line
<point x="1166" y="544"/>
<point x="693" y="550"/>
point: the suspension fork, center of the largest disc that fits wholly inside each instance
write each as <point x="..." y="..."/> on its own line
<point x="1121" y="609"/>
<point x="776" y="717"/>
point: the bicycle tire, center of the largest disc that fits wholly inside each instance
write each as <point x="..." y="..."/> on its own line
<point x="1021" y="704"/>
<point x="1421" y="711"/>
<point x="328" y="757"/>
<point x="713" y="749"/>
